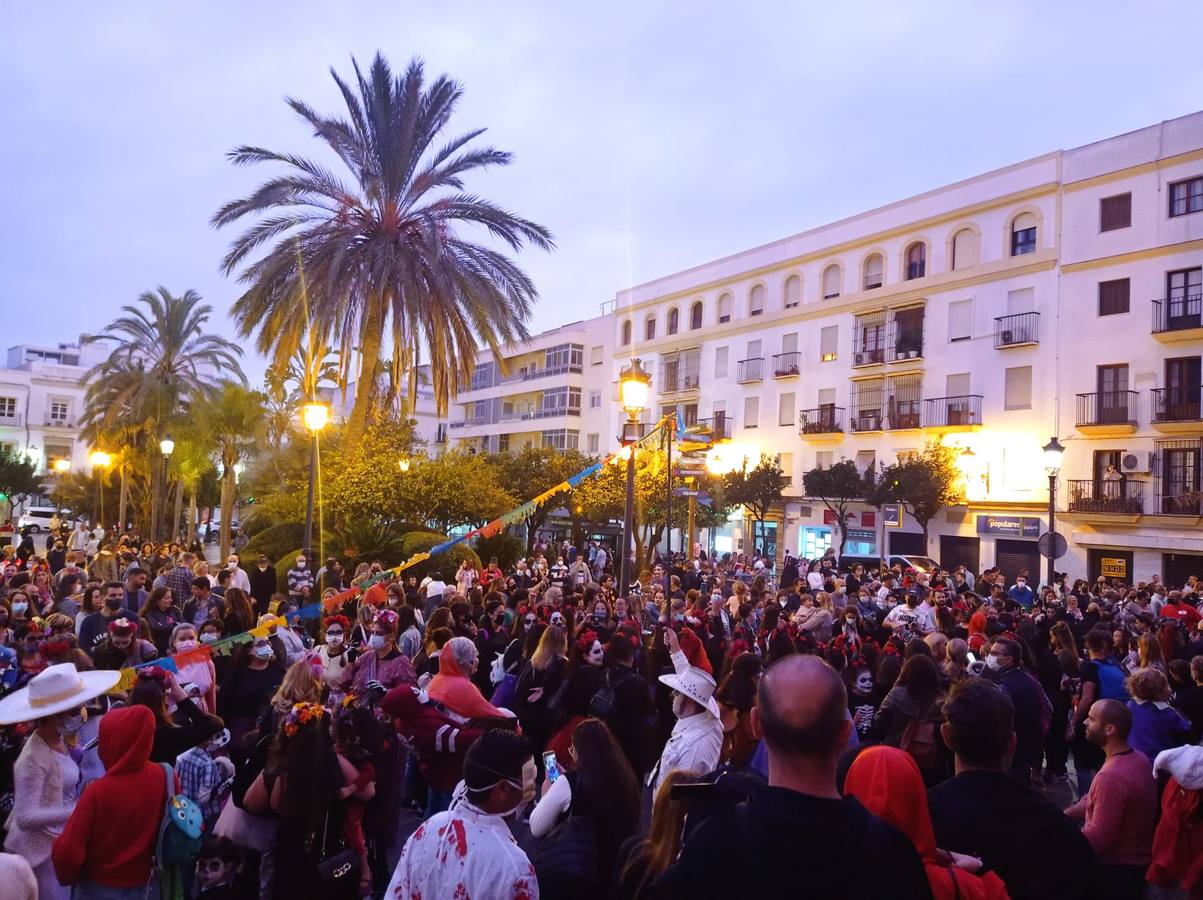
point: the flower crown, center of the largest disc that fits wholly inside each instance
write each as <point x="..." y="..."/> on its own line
<point x="122" y="625"/>
<point x="585" y="642"/>
<point x="56" y="645"/>
<point x="302" y="714"/>
<point x="336" y="620"/>
<point x="388" y="618"/>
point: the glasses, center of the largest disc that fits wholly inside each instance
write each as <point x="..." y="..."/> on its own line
<point x="210" y="865"/>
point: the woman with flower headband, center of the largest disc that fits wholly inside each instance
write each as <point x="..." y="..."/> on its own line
<point x="582" y="679"/>
<point x="333" y="652"/>
<point x="200" y="671"/>
<point x="380" y="660"/>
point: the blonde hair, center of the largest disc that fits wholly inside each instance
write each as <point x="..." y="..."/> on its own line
<point x="1148" y="685"/>
<point x="1150" y="650"/>
<point x="553" y="645"/>
<point x="300" y="685"/>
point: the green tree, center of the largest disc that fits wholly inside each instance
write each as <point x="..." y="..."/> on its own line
<point x="836" y="487"/>
<point x="454" y="490"/>
<point x="191" y="460"/>
<point x="925" y="483"/>
<point x="756" y="490"/>
<point x="238" y="423"/>
<point x="18" y="477"/>
<point x="533" y="470"/>
<point x="382" y="254"/>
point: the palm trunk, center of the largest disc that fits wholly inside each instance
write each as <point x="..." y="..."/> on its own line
<point x="191" y="529"/>
<point x="179" y="509"/>
<point x="369" y="359"/>
<point x="122" y="503"/>
<point x="227" y="507"/>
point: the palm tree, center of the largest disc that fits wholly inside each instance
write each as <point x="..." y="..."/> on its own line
<point x="382" y="254"/>
<point x="237" y="423"/>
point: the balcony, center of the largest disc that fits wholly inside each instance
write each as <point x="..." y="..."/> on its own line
<point x="59" y="421"/>
<point x="870" y="356"/>
<point x="1178" y="318"/>
<point x="531" y="415"/>
<point x="903" y="416"/>
<point x="962" y="413"/>
<point x="787" y="365"/>
<point x="12" y="420"/>
<point x="1186" y="503"/>
<point x="1019" y="330"/>
<point x="675" y="378"/>
<point x="1114" y="498"/>
<point x="720" y="427"/>
<point x="825" y="423"/>
<point x="750" y="370"/>
<point x="533" y="374"/>
<point x="905" y="343"/>
<point x="471" y="423"/>
<point x="863" y="420"/>
<point x="1176" y="409"/>
<point x="1107" y="412"/>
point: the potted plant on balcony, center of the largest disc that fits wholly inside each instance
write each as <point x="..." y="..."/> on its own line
<point x="909" y="345"/>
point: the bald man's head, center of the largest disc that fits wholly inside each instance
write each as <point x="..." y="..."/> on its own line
<point x="802" y="706"/>
<point x="1105" y="713"/>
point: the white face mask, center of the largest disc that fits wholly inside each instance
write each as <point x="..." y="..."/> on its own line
<point x="334" y="638"/>
<point x="262" y="651"/>
<point x="208" y="638"/>
<point x="679" y="705"/>
<point x="376" y="642"/>
<point x="232" y="564"/>
<point x="185" y="645"/>
<point x="992" y="662"/>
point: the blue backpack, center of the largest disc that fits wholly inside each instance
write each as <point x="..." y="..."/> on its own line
<point x="1111" y="680"/>
<point x="180" y="831"/>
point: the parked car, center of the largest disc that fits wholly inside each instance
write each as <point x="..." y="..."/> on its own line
<point x="212" y="528"/>
<point x="37" y="518"/>
<point x="918" y="563"/>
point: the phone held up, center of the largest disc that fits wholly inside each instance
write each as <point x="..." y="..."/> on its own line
<point x="551" y="766"/>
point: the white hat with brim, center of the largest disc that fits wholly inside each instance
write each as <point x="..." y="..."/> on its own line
<point x="54" y="690"/>
<point x="695" y="684"/>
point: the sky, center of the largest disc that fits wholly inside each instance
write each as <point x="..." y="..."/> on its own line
<point x="648" y="136"/>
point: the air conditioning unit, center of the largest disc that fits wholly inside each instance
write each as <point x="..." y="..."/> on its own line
<point x="1134" y="461"/>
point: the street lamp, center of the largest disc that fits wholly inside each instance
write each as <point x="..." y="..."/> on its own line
<point x="62" y="466"/>
<point x="100" y="461"/>
<point x="403" y="464"/>
<point x="634" y="385"/>
<point x="1054" y="452"/>
<point x="166" y="447"/>
<point x="315" y="416"/>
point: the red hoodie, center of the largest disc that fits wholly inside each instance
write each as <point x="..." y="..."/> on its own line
<point x="111" y="835"/>
<point x="440" y="743"/>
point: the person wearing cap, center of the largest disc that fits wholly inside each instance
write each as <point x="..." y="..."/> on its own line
<point x="122" y="648"/>
<point x="45" y="775"/>
<point x="696" y="741"/>
<point x="263" y="583"/>
<point x="468" y="851"/>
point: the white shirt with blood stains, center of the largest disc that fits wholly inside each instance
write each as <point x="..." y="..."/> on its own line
<point x="463" y="854"/>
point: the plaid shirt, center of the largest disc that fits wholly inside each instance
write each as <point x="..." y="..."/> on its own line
<point x="179" y="582"/>
<point x="200" y="777"/>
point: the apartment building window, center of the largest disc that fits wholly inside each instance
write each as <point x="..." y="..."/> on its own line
<point x="564" y="355"/>
<point x="866" y="396"/>
<point x="1115" y="212"/>
<point x="695" y="315"/>
<point x="1114" y="296"/>
<point x="1186" y="196"/>
<point x="756" y="300"/>
<point x="865" y="461"/>
<point x="965" y="249"/>
<point x="626" y="333"/>
<point x="592" y="443"/>
<point x="720" y="362"/>
<point x="674" y="321"/>
<point x="785" y="462"/>
<point x="829" y="340"/>
<point x="792" y="294"/>
<point x="870" y="339"/>
<point x="832" y="276"/>
<point x="560" y="439"/>
<point x="649" y="328"/>
<point x="874" y="271"/>
<point x="482" y="376"/>
<point x="904" y="400"/>
<point x="786" y="406"/>
<point x="503" y="443"/>
<point x="824" y="459"/>
<point x="916" y="260"/>
<point x="960" y="320"/>
<point x="8" y="447"/>
<point x="440" y="433"/>
<point x="60" y="410"/>
<point x="789" y="342"/>
<point x="1017" y="388"/>
<point x="724" y="308"/>
<point x="55" y="452"/>
<point x="8" y="407"/>
<point x="596" y="355"/>
<point x="751" y="412"/>
<point x="1023" y="234"/>
<point x="595" y="398"/>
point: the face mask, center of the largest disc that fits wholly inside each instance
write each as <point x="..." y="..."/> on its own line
<point x="851" y="622"/>
<point x="376" y="642"/>
<point x="263" y="651"/>
<point x="20" y="607"/>
<point x="300" y="565"/>
<point x="232" y="565"/>
<point x="185" y="646"/>
<point x="678" y="617"/>
<point x="334" y="638"/>
<point x="112" y="602"/>
<point x="717" y="598"/>
<point x="679" y="708"/>
<point x="992" y="662"/>
<point x="71" y="725"/>
<point x="208" y="638"/>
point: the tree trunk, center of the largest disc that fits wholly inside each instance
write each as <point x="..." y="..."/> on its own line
<point x="122" y="503"/>
<point x="369" y="358"/>
<point x="227" y="506"/>
<point x="843" y="516"/>
<point x="179" y="510"/>
<point x="190" y="530"/>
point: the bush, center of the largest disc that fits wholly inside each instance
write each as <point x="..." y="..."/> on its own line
<point x="445" y="563"/>
<point x="507" y="548"/>
<point x="275" y="542"/>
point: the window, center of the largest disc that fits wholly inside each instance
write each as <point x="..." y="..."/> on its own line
<point x="865" y="461"/>
<point x="592" y="443"/>
<point x="916" y="260"/>
<point x="957" y="385"/>
<point x="786" y="404"/>
<point x="8" y="407"/>
<point x="626" y="332"/>
<point x="503" y="444"/>
<point x="564" y="356"/>
<point x="55" y="452"/>
<point x="596" y="355"/>
<point x="724" y="308"/>
<point x="1186" y="196"/>
<point x="824" y="459"/>
<point x="59" y="410"/>
<point x="595" y="398"/>
<point x="560" y="439"/>
<point x="789" y="342"/>
<point x="753" y="350"/>
<point x="792" y="294"/>
<point x="960" y="320"/>
<point x="649" y="329"/>
<point x="965" y="249"/>
<point x="482" y="376"/>
<point x="1017" y="390"/>
<point x="720" y="362"/>
<point x="1022" y="300"/>
<point x="751" y="412"/>
<point x="674" y="321"/>
<point x="695" y="315"/>
<point x="785" y="462"/>
<point x="1115" y="212"/>
<point x="829" y="339"/>
<point x="874" y="267"/>
<point x="1023" y="234"/>
<point x="1114" y="296"/>
<point x="756" y="300"/>
<point x="831" y="281"/>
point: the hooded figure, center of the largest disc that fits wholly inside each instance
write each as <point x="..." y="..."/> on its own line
<point x="1178" y="841"/>
<point x="454" y="689"/>
<point x="110" y="838"/>
<point x="887" y="782"/>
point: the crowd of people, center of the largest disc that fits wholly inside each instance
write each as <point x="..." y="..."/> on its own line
<point x="732" y="724"/>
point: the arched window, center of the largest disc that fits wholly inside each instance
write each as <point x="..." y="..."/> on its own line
<point x="756" y="300"/>
<point x="916" y="260"/>
<point x="626" y="333"/>
<point x="724" y="308"/>
<point x="1023" y="234"/>
<point x="792" y="294"/>
<point x="831" y="281"/>
<point x="695" y="315"/>
<point x="965" y="249"/>
<point x="874" y="275"/>
<point x="674" y="321"/>
<point x="649" y="329"/>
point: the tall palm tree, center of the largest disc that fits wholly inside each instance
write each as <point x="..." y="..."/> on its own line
<point x="382" y="255"/>
<point x="237" y="423"/>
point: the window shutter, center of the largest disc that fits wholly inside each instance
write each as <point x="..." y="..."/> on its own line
<point x="1114" y="296"/>
<point x="1018" y="388"/>
<point x="960" y="319"/>
<point x="1021" y="301"/>
<point x="793" y="291"/>
<point x="751" y="412"/>
<point x="1115" y="212"/>
<point x="785" y="409"/>
<point x="720" y="362"/>
<point x="789" y="342"/>
<point x="829" y="338"/>
<point x="831" y="282"/>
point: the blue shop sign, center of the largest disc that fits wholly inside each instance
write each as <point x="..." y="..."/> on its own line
<point x="1014" y="526"/>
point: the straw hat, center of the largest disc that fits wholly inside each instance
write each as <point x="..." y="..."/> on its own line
<point x="695" y="684"/>
<point x="56" y="689"/>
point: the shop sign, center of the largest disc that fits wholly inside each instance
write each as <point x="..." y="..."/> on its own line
<point x="1012" y="526"/>
<point x="1110" y="567"/>
<point x="891" y="514"/>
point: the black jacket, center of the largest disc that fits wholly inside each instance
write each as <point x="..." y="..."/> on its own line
<point x="263" y="585"/>
<point x="634" y="717"/>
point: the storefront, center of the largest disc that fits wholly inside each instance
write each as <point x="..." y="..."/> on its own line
<point x="813" y="541"/>
<point x="1015" y="548"/>
<point x="1177" y="567"/>
<point x="861" y="542"/>
<point x="956" y="550"/>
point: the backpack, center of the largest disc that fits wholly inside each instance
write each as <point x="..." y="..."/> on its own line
<point x="920" y="741"/>
<point x="1111" y="680"/>
<point x="180" y="830"/>
<point x="605" y="702"/>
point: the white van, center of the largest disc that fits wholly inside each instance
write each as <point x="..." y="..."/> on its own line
<point x="37" y="518"/>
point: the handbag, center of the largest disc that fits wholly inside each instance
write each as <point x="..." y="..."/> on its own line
<point x="338" y="870"/>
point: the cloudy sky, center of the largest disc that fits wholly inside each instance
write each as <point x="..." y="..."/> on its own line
<point x="649" y="136"/>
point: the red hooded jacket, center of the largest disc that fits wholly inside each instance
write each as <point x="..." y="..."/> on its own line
<point x="111" y="835"/>
<point x="440" y="743"/>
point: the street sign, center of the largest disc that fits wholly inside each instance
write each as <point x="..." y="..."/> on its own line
<point x="1052" y="545"/>
<point x="684" y="492"/>
<point x="891" y="514"/>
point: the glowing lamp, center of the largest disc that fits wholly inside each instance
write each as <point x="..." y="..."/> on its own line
<point x="315" y="416"/>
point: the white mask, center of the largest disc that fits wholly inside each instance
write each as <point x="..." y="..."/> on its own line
<point x="185" y="645"/>
<point x="263" y="651"/>
<point x="992" y="662"/>
<point x="232" y="564"/>
<point x="679" y="705"/>
<point x="376" y="642"/>
<point x="334" y="639"/>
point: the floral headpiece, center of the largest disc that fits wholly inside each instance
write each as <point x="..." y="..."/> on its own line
<point x="336" y="620"/>
<point x="152" y="673"/>
<point x="387" y="618"/>
<point x="302" y="714"/>
<point x="122" y="626"/>
<point x="584" y="643"/>
<point x="57" y="645"/>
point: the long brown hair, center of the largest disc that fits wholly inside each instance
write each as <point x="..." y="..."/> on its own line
<point x="608" y="784"/>
<point x="553" y="644"/>
<point x="240" y="606"/>
<point x="659" y="850"/>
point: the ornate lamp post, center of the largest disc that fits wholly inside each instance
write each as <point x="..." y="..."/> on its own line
<point x="315" y="416"/>
<point x="1054" y="452"/>
<point x="634" y="385"/>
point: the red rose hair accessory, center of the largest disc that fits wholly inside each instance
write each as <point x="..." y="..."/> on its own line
<point x="303" y="714"/>
<point x="122" y="626"/>
<point x="387" y="618"/>
<point x="336" y="620"/>
<point x="152" y="673"/>
<point x="56" y="646"/>
<point x="585" y="642"/>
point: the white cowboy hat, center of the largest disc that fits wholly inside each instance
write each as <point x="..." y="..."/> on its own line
<point x="695" y="684"/>
<point x="56" y="689"/>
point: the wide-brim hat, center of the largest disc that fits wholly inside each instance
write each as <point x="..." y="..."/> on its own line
<point x="55" y="689"/>
<point x="695" y="684"/>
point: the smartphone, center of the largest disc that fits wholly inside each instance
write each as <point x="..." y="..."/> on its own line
<point x="972" y="659"/>
<point x="551" y="766"/>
